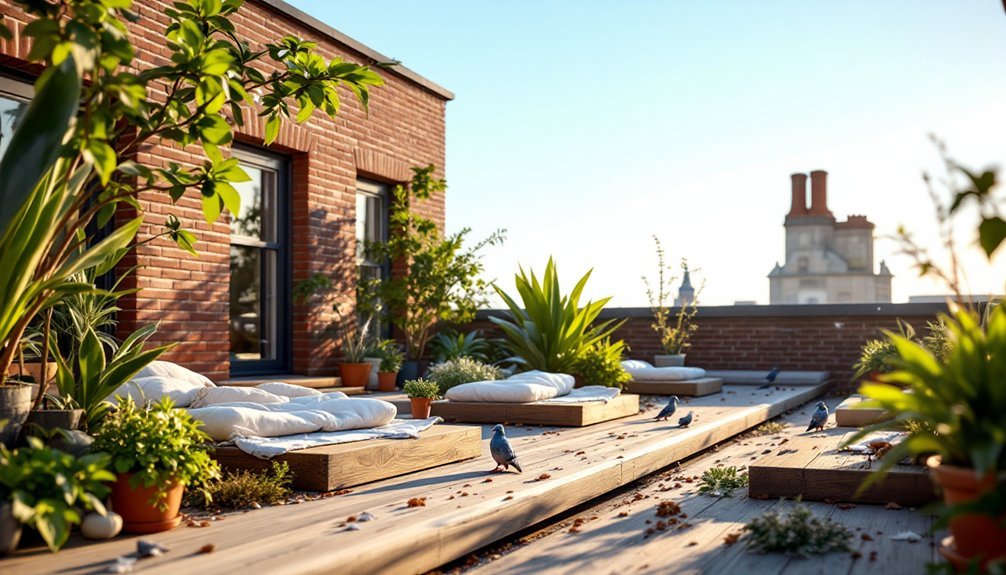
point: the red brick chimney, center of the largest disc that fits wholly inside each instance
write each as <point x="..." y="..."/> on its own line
<point x="799" y="204"/>
<point x="819" y="193"/>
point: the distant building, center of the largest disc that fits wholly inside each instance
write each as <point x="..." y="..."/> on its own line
<point x="826" y="261"/>
<point x="686" y="293"/>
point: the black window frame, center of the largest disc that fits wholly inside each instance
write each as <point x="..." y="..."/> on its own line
<point x="375" y="188"/>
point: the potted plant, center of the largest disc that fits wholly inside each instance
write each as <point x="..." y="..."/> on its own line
<point x="601" y="364"/>
<point x="46" y="489"/>
<point x="675" y="329"/>
<point x="461" y="370"/>
<point x="391" y="363"/>
<point x="421" y="394"/>
<point x="157" y="451"/>
<point x="355" y="344"/>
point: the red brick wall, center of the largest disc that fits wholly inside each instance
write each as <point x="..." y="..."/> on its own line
<point x="189" y="296"/>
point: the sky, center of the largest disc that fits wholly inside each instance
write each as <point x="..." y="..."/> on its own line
<point x="585" y="127"/>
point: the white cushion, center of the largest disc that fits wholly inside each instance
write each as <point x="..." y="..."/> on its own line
<point x="225" y="421"/>
<point x="168" y="369"/>
<point x="287" y="389"/>
<point x="649" y="373"/>
<point x="151" y="389"/>
<point x="526" y="387"/>
<point x="228" y="394"/>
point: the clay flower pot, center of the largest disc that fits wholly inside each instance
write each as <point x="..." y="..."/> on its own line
<point x="973" y="534"/>
<point x="354" y="374"/>
<point x="139" y="515"/>
<point x="421" y="407"/>
<point x="386" y="380"/>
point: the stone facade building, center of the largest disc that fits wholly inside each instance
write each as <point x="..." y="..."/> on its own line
<point x="827" y="261"/>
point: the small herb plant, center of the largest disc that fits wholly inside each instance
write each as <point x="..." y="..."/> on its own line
<point x="391" y="356"/>
<point x="421" y="388"/>
<point x="721" y="481"/>
<point x="159" y="445"/>
<point x="601" y="364"/>
<point x="47" y="488"/>
<point x="675" y="330"/>
<point x="462" y="370"/>
<point x="240" y="489"/>
<point x="798" y="532"/>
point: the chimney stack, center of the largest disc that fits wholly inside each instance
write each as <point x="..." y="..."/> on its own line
<point x="819" y="193"/>
<point x="799" y="204"/>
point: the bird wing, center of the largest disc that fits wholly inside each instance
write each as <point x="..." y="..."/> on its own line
<point x="667" y="411"/>
<point x="502" y="450"/>
<point x="820" y="416"/>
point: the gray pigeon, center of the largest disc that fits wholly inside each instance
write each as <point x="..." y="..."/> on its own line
<point x="686" y="420"/>
<point x="669" y="409"/>
<point x="770" y="378"/>
<point x="502" y="451"/>
<point x="820" y="417"/>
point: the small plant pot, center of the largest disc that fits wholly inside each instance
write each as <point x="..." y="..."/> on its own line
<point x="15" y="403"/>
<point x="139" y="515"/>
<point x="34" y="369"/>
<point x="48" y="419"/>
<point x="386" y="380"/>
<point x="10" y="529"/>
<point x="974" y="534"/>
<point x="676" y="360"/>
<point x="421" y="407"/>
<point x="354" y="374"/>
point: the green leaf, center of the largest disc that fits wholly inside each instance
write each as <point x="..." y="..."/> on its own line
<point x="212" y="207"/>
<point x="991" y="234"/>
<point x="104" y="158"/>
<point x="272" y="129"/>
<point x="215" y="130"/>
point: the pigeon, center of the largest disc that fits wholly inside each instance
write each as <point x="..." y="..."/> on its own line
<point x="820" y="417"/>
<point x="669" y="409"/>
<point x="770" y="378"/>
<point x="686" y="420"/>
<point x="502" y="451"/>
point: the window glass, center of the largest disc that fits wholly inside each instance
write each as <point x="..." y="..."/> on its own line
<point x="14" y="98"/>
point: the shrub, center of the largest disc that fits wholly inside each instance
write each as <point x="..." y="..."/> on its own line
<point x="601" y="364"/>
<point x="798" y="532"/>
<point x="239" y="489"/>
<point x="421" y="388"/>
<point x="391" y="356"/>
<point x="452" y="344"/>
<point x="462" y="370"/>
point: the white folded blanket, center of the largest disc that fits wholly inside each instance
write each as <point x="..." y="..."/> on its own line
<point x="269" y="447"/>
<point x="526" y="387"/>
<point x="587" y="394"/>
<point x="643" y="371"/>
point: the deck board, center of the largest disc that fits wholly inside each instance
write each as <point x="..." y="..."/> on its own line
<point x="541" y="413"/>
<point x="848" y="415"/>
<point x="691" y="388"/>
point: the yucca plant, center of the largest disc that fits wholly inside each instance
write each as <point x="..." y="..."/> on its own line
<point x="452" y="344"/>
<point x="548" y="330"/>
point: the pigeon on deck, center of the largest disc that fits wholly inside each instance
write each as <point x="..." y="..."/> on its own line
<point x="686" y="420"/>
<point x="669" y="409"/>
<point x="770" y="378"/>
<point x="502" y="451"/>
<point x="820" y="417"/>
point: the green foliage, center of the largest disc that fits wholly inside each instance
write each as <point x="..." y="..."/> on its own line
<point x="48" y="488"/>
<point x="550" y="330"/>
<point x="721" y="481"/>
<point x="159" y="445"/>
<point x="674" y="333"/>
<point x="601" y="364"/>
<point x="798" y="532"/>
<point x="441" y="282"/>
<point x="355" y="340"/>
<point x="956" y="405"/>
<point x="69" y="164"/>
<point x="878" y="355"/>
<point x="391" y="356"/>
<point x="452" y="344"/>
<point x="93" y="377"/>
<point x="421" y="388"/>
<point x="462" y="370"/>
<point x="239" y="489"/>
<point x="770" y="428"/>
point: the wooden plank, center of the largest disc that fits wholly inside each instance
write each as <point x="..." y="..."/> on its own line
<point x="557" y="414"/>
<point x="848" y="415"/>
<point x="331" y="467"/>
<point x="815" y="470"/>
<point x="691" y="388"/>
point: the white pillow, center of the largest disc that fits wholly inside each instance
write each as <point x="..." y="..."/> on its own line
<point x="168" y="369"/>
<point x="635" y="364"/>
<point x="151" y="389"/>
<point x="232" y="394"/>
<point x="287" y="389"/>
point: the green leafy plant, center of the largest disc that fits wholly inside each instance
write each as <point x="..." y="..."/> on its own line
<point x="721" y="481"/>
<point x="452" y="344"/>
<point x="159" y="445"/>
<point x="240" y="489"/>
<point x="441" y="281"/>
<point x="462" y="370"/>
<point x="601" y="364"/>
<point x="797" y="532"/>
<point x="356" y="341"/>
<point x="48" y="488"/>
<point x="71" y="161"/>
<point x="550" y="330"/>
<point x="421" y="388"/>
<point x="675" y="330"/>
<point x="391" y="355"/>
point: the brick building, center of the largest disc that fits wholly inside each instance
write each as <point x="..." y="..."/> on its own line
<point x="316" y="191"/>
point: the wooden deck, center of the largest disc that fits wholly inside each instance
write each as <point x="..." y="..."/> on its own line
<point x="466" y="507"/>
<point x="555" y="414"/>
<point x="848" y="415"/>
<point x="613" y="537"/>
<point x="691" y="388"/>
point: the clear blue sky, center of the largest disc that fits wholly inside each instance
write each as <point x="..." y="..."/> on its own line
<point x="584" y="127"/>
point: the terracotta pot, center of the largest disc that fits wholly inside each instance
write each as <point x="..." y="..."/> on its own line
<point x="421" y="407"/>
<point x="974" y="534"/>
<point x="676" y="360"/>
<point x="386" y="380"/>
<point x="354" y="374"/>
<point x="139" y="515"/>
<point x="15" y="403"/>
<point x="34" y="369"/>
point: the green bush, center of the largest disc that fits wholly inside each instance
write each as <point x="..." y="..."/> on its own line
<point x="798" y="532"/>
<point x="601" y="364"/>
<point x="462" y="370"/>
<point x="421" y="388"/>
<point x="391" y="356"/>
<point x="721" y="481"/>
<point x="239" y="489"/>
<point x="452" y="344"/>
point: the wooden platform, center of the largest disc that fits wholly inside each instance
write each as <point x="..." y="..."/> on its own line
<point x="332" y="467"/>
<point x="757" y="377"/>
<point x="811" y="467"/>
<point x="848" y="415"/>
<point x="691" y="388"/>
<point x="463" y="510"/>
<point x="557" y="414"/>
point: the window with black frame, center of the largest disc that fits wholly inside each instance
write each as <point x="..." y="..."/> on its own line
<point x="259" y="254"/>
<point x="14" y="98"/>
<point x="371" y="226"/>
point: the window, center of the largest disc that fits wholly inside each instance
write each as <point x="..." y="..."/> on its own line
<point x="802" y="265"/>
<point x="372" y="226"/>
<point x="259" y="282"/>
<point x="14" y="98"/>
